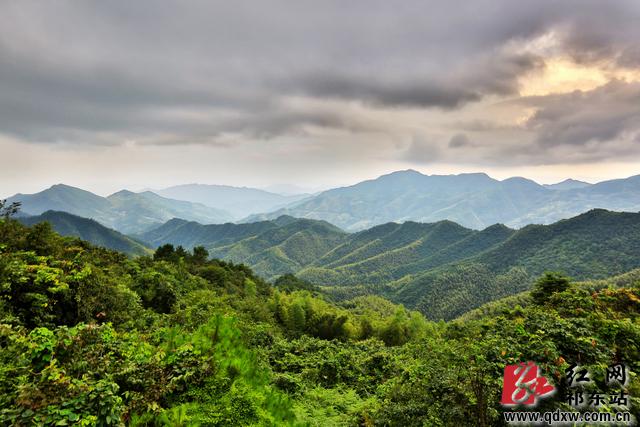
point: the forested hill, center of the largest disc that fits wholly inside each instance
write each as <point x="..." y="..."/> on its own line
<point x="442" y="269"/>
<point x="89" y="230"/>
<point x="91" y="337"/>
<point x="272" y="248"/>
<point x="190" y="233"/>
<point x="596" y="244"/>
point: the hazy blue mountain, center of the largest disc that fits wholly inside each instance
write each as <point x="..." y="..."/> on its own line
<point x="67" y="224"/>
<point x="141" y="211"/>
<point x="472" y="200"/>
<point x="291" y="189"/>
<point x="124" y="211"/>
<point x="65" y="198"/>
<point x="239" y="201"/>
<point x="567" y="184"/>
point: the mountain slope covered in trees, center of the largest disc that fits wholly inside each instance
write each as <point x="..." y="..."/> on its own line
<point x="596" y="244"/>
<point x="441" y="269"/>
<point x="67" y="224"/>
<point x="91" y="337"/>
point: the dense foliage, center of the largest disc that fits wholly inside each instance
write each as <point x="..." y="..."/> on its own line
<point x="89" y="336"/>
<point x="440" y="269"/>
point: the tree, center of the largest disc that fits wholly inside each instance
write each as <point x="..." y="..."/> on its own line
<point x="164" y="252"/>
<point x="181" y="253"/>
<point x="200" y="255"/>
<point x="7" y="212"/>
<point x="550" y="283"/>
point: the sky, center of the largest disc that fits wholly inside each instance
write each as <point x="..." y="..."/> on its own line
<point x="148" y="94"/>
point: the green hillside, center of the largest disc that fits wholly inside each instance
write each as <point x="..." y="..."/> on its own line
<point x="441" y="269"/>
<point x="592" y="245"/>
<point x="284" y="249"/>
<point x="190" y="233"/>
<point x="596" y="244"/>
<point x="272" y="248"/>
<point x="89" y="230"/>
<point x="91" y="337"/>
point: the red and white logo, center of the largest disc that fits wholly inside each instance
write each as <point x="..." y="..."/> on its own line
<point x="522" y="385"/>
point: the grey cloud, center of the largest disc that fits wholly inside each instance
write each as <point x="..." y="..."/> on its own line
<point x="395" y="94"/>
<point x="578" y="118"/>
<point x="610" y="34"/>
<point x="461" y="84"/>
<point x="191" y="71"/>
<point x="459" y="140"/>
<point x="421" y="150"/>
<point x="479" y="125"/>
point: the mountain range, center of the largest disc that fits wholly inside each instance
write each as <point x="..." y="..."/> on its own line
<point x="442" y="268"/>
<point x="473" y="200"/>
<point x="238" y="201"/>
<point x="124" y="211"/>
<point x="440" y="244"/>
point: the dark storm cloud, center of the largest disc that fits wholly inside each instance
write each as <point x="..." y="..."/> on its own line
<point x="170" y="72"/>
<point x="431" y="89"/>
<point x="612" y="33"/>
<point x="579" y="118"/>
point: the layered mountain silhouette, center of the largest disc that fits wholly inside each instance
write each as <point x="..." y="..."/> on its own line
<point x="67" y="224"/>
<point x="440" y="244"/>
<point x="472" y="200"/>
<point x="441" y="268"/>
<point x="238" y="201"/>
<point x="124" y="211"/>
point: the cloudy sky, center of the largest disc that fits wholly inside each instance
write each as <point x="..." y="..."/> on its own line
<point x="106" y="95"/>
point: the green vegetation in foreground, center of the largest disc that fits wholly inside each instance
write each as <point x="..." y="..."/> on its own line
<point x="91" y="337"/>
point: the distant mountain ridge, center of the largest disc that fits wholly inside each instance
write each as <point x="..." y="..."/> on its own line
<point x="238" y="201"/>
<point x="568" y="184"/>
<point x="472" y="200"/>
<point x="124" y="211"/>
<point x="67" y="224"/>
